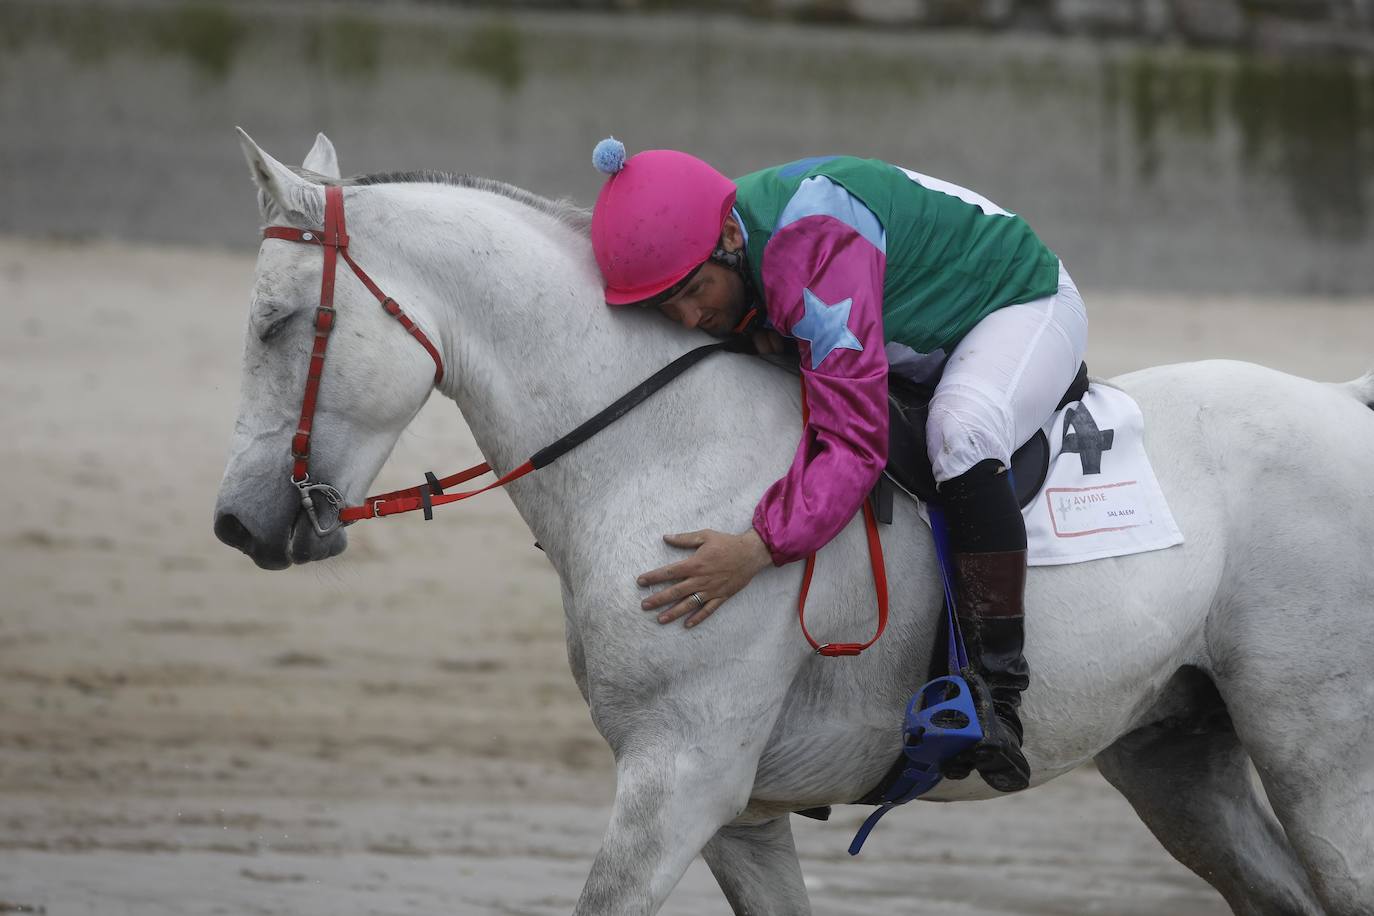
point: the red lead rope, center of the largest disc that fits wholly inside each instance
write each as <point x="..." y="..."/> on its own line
<point x="875" y="556"/>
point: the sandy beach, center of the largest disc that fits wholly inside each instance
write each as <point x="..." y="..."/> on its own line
<point x="396" y="731"/>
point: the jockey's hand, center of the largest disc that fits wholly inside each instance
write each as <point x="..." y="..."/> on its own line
<point x="722" y="565"/>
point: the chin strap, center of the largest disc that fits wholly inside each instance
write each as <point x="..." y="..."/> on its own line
<point x="752" y="321"/>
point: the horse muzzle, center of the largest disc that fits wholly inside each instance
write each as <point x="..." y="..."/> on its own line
<point x="299" y="541"/>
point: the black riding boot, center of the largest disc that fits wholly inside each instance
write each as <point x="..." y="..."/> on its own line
<point x="988" y="536"/>
<point x="988" y="591"/>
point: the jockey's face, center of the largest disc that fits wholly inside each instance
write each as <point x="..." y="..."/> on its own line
<point x="714" y="300"/>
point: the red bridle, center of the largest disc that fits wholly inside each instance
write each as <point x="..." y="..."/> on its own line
<point x="333" y="240"/>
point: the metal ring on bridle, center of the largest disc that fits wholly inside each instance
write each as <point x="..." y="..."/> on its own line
<point x="699" y="601"/>
<point x="329" y="494"/>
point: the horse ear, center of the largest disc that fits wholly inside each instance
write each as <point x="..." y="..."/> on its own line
<point x="281" y="192"/>
<point x="322" y="160"/>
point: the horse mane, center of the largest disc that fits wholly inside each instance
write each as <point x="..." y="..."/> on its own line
<point x="579" y="219"/>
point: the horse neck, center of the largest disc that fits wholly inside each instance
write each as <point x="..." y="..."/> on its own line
<point x="530" y="348"/>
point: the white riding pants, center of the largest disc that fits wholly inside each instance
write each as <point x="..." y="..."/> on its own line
<point x="1004" y="380"/>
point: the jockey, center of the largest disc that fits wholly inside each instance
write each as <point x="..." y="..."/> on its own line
<point x="871" y="269"/>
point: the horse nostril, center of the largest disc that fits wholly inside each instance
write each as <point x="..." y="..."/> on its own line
<point x="232" y="532"/>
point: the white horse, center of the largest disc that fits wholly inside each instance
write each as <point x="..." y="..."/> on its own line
<point x="1251" y="643"/>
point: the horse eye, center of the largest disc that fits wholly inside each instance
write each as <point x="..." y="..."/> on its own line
<point x="273" y="329"/>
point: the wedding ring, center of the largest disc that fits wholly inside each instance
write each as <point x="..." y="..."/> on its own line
<point x="697" y="599"/>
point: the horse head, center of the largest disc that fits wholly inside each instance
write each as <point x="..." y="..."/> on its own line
<point x="374" y="379"/>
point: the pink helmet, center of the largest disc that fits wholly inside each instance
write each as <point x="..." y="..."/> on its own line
<point x="657" y="219"/>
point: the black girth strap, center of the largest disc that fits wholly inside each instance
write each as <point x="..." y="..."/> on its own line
<point x="636" y="396"/>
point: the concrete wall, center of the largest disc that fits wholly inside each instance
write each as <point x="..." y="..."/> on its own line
<point x="1314" y="26"/>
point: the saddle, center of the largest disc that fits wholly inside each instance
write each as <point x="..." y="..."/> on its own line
<point x="908" y="463"/>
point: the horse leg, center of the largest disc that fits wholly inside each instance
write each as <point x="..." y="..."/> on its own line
<point x="1327" y="815"/>
<point x="669" y="801"/>
<point x="1188" y="778"/>
<point x="1310" y="738"/>
<point x="757" y="868"/>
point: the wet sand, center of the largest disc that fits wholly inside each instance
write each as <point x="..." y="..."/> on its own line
<point x="396" y="731"/>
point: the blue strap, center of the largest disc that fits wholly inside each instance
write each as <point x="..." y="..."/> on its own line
<point x="958" y="655"/>
<point x="872" y="821"/>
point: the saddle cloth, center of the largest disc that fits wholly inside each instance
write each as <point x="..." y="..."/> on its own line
<point x="1084" y="482"/>
<point x="1100" y="498"/>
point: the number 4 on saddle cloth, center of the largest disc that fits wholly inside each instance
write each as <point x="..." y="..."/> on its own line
<point x="1086" y="491"/>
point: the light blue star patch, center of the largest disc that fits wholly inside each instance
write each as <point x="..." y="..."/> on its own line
<point x="825" y="327"/>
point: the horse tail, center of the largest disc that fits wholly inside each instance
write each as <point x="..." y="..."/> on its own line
<point x="1361" y="389"/>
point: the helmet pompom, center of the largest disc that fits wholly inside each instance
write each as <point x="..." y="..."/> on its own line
<point x="609" y="156"/>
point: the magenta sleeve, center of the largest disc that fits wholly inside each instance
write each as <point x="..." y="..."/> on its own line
<point x="823" y="283"/>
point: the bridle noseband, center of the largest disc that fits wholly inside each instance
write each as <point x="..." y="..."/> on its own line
<point x="333" y="240"/>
